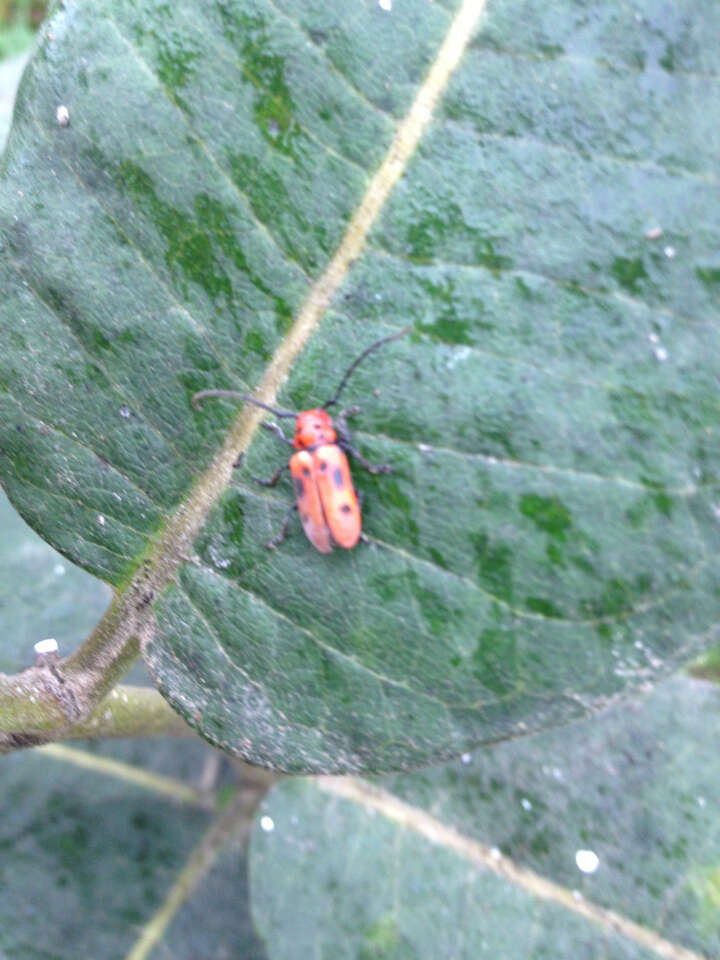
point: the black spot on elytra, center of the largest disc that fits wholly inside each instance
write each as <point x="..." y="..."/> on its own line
<point x="323" y="465"/>
<point x="299" y="488"/>
<point x="338" y="478"/>
<point x="306" y="471"/>
<point x="346" y="508"/>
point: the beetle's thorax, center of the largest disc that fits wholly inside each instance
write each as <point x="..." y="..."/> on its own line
<point x="312" y="428"/>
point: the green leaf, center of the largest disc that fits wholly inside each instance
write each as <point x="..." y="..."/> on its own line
<point x="707" y="667"/>
<point x="10" y="72"/>
<point x="548" y="539"/>
<point x="118" y="862"/>
<point x="96" y="847"/>
<point x="93" y="856"/>
<point x="41" y="595"/>
<point x="479" y="858"/>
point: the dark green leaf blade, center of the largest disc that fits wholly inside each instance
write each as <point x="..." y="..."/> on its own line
<point x="549" y="536"/>
<point x="635" y="787"/>
<point x="95" y="855"/>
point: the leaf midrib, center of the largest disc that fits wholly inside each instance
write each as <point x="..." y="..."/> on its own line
<point x="127" y="619"/>
<point x="407" y="816"/>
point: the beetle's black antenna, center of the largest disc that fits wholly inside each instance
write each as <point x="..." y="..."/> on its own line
<point x="358" y="360"/>
<point x="204" y="394"/>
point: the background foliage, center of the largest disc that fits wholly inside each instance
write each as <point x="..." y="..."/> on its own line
<point x="637" y="786"/>
<point x="548" y="539"/>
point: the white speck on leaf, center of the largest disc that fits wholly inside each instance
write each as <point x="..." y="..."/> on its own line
<point x="46" y="646"/>
<point x="62" y="115"/>
<point x="222" y="563"/>
<point x="457" y="356"/>
<point x="587" y="861"/>
<point x="669" y="252"/>
<point x="267" y="824"/>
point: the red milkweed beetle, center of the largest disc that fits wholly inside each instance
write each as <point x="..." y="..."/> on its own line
<point x="324" y="492"/>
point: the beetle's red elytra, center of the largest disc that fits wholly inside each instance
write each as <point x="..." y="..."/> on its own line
<point x="325" y="496"/>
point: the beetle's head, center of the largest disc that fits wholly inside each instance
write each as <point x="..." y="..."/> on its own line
<point x="313" y="427"/>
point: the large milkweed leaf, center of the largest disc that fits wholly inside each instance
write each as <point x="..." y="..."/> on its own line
<point x="121" y="857"/>
<point x="100" y="834"/>
<point x="549" y="536"/>
<point x="98" y="853"/>
<point x="483" y="857"/>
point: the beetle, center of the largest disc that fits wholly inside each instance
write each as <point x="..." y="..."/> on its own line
<point x="324" y="493"/>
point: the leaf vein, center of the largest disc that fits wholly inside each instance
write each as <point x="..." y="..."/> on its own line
<point x="123" y="393"/>
<point x="570" y="285"/>
<point x="650" y="165"/>
<point x="330" y="63"/>
<point x="240" y="64"/>
<point x="689" y="490"/>
<point x="79" y="503"/>
<point x="331" y="651"/>
<point x="84" y="446"/>
<point x="616" y="68"/>
<point x="208" y="153"/>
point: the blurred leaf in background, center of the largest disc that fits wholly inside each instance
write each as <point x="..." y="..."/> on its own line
<point x="90" y="860"/>
<point x="599" y="840"/>
<point x="19" y="19"/>
<point x="41" y="594"/>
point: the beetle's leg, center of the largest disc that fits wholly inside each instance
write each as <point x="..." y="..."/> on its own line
<point x="277" y="430"/>
<point x="370" y="467"/>
<point x="344" y="442"/>
<point x="341" y="422"/>
<point x="273" y="480"/>
<point x="279" y="537"/>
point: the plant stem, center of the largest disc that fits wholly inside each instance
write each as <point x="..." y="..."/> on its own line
<point x="126" y="712"/>
<point x="40" y="703"/>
